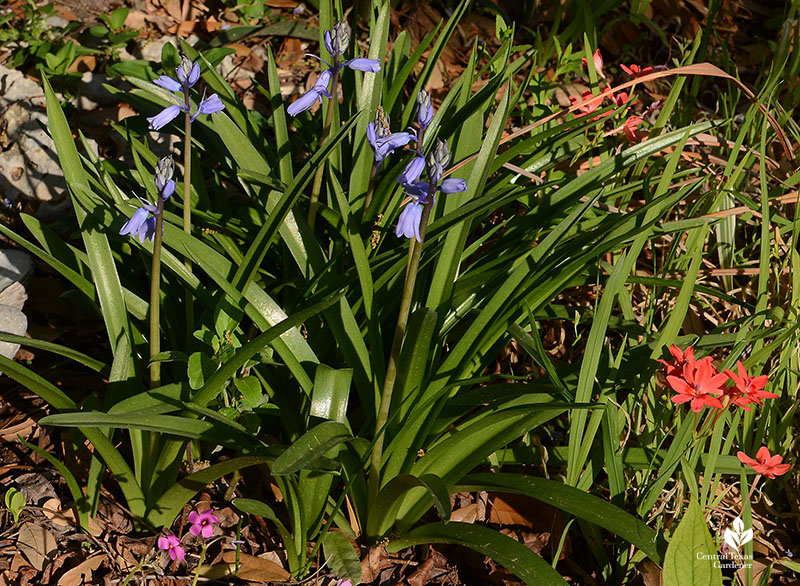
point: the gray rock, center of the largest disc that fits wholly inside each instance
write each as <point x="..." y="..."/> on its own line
<point x="12" y="321"/>
<point x="15" y="266"/>
<point x="29" y="167"/>
<point x="14" y="296"/>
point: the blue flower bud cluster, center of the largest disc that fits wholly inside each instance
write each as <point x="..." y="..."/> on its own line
<point x="336" y="42"/>
<point x="419" y="192"/>
<point x="142" y="224"/>
<point x="187" y="73"/>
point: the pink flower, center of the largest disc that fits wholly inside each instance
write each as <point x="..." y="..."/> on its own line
<point x="747" y="389"/>
<point x="344" y="583"/>
<point x="699" y="383"/>
<point x="635" y="70"/>
<point x="769" y="466"/>
<point x="172" y="544"/>
<point x="597" y="60"/>
<point x="203" y="523"/>
<point x="592" y="105"/>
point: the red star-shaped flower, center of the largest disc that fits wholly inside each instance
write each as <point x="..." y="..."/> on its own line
<point x="769" y="466"/>
<point x="699" y="384"/>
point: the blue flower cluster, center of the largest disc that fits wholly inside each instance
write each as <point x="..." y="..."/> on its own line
<point x="142" y="224"/>
<point x="420" y="193"/>
<point x="336" y="42"/>
<point x="187" y="73"/>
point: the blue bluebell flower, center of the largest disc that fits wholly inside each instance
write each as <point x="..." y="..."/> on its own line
<point x="142" y="224"/>
<point x="419" y="192"/>
<point x="336" y="42"/>
<point x="187" y="73"/>
<point x="413" y="170"/>
<point x="307" y="100"/>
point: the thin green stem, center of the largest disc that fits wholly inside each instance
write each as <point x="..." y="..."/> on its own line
<point x="414" y="255"/>
<point x="200" y="562"/>
<point x="333" y="101"/>
<point x="134" y="571"/>
<point x="187" y="207"/>
<point x="155" y="298"/>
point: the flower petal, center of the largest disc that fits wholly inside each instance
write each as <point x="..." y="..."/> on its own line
<point x="303" y="103"/>
<point x="409" y="220"/>
<point x="368" y="65"/>
<point x="168" y="83"/>
<point x="453" y="185"/>
<point x="164" y="117"/>
<point x="412" y="171"/>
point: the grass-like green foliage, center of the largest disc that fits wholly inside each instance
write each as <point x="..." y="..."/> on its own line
<point x="292" y="326"/>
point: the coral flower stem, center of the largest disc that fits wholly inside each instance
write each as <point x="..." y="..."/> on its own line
<point x="187" y="208"/>
<point x="155" y="297"/>
<point x="414" y="254"/>
<point x="333" y="101"/>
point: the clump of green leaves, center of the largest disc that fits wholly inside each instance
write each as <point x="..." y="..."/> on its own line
<point x="113" y="35"/>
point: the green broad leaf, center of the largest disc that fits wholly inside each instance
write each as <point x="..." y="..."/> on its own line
<point x="331" y="393"/>
<point x="250" y="388"/>
<point x="575" y="502"/>
<point x="692" y="553"/>
<point x="15" y="502"/>
<point x="383" y="515"/>
<point x="311" y="446"/>
<point x="162" y="513"/>
<point x="342" y="558"/>
<point x="216" y="382"/>
<point x="118" y="17"/>
<point x="199" y="369"/>
<point x="507" y="552"/>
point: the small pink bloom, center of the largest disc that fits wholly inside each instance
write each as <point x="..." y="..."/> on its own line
<point x="620" y="99"/>
<point x="172" y="544"/>
<point x="769" y="466"/>
<point x="591" y="105"/>
<point x="344" y="583"/>
<point x="597" y="61"/>
<point x="748" y="389"/>
<point x="203" y="523"/>
<point x="699" y="384"/>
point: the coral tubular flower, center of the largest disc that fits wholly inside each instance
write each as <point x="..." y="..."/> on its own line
<point x="636" y="71"/>
<point x="590" y="106"/>
<point x="769" y="466"/>
<point x="597" y="61"/>
<point x="681" y="358"/>
<point x="748" y="389"/>
<point x="699" y="384"/>
<point x="172" y="544"/>
<point x="203" y="523"/>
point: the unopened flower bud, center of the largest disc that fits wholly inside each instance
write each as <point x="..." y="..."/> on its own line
<point x="438" y="159"/>
<point x="337" y="39"/>
<point x="424" y="109"/>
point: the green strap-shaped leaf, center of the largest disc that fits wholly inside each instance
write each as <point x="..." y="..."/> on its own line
<point x="101" y="261"/>
<point x="575" y="502"/>
<point x="170" y="503"/>
<point x="383" y="514"/>
<point x="510" y="554"/>
<point x="64" y="351"/>
<point x="341" y="556"/>
<point x="691" y="555"/>
<point x="310" y="446"/>
<point x="331" y="393"/>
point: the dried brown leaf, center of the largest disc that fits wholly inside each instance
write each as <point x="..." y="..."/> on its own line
<point x="37" y="544"/>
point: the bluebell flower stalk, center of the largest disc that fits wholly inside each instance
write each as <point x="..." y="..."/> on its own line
<point x="412" y="223"/>
<point x="187" y="74"/>
<point x="336" y="41"/>
<point x="148" y="223"/>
